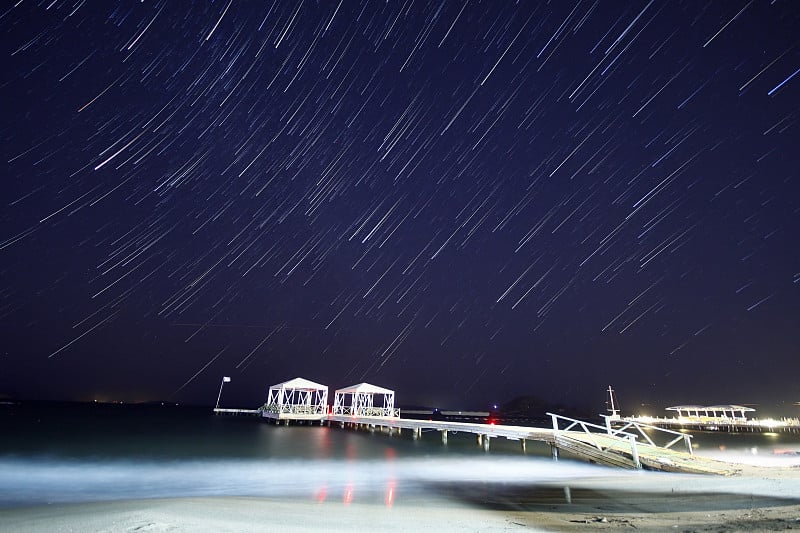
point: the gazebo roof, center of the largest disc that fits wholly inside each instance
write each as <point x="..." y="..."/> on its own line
<point x="729" y="408"/>
<point x="364" y="388"/>
<point x="299" y="383"/>
<point x="710" y="408"/>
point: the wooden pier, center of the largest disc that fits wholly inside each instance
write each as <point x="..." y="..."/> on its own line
<point x="577" y="439"/>
<point x="237" y="412"/>
<point x="610" y="451"/>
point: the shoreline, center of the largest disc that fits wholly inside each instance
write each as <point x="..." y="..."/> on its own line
<point x="589" y="510"/>
<point x="757" y="498"/>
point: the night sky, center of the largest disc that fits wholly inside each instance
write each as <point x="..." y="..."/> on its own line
<point x="462" y="201"/>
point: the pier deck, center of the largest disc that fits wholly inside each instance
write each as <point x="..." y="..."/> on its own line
<point x="492" y="430"/>
<point x="595" y="447"/>
<point x="617" y="452"/>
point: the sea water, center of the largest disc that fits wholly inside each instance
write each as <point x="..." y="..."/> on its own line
<point x="60" y="453"/>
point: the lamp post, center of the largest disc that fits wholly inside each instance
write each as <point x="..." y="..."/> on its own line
<point x="225" y="380"/>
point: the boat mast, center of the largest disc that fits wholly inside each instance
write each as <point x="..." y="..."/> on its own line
<point x="613" y="407"/>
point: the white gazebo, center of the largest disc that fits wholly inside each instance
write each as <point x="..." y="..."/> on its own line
<point x="296" y="399"/>
<point x="359" y="400"/>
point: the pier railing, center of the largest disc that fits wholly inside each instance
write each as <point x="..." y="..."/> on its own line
<point x="641" y="427"/>
<point x="294" y="409"/>
<point x="365" y="411"/>
<point x="593" y="433"/>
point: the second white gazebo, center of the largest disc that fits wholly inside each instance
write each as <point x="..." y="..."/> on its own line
<point x="359" y="400"/>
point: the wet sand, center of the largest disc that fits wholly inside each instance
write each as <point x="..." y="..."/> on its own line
<point x="759" y="499"/>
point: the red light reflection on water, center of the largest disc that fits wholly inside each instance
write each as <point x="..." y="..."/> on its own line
<point x="350" y="452"/>
<point x="348" y="495"/>
<point x="322" y="494"/>
<point x="390" y="494"/>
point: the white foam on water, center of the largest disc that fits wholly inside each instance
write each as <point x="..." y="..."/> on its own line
<point x="33" y="481"/>
<point x="41" y="480"/>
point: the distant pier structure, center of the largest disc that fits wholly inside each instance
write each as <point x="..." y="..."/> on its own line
<point x="728" y="418"/>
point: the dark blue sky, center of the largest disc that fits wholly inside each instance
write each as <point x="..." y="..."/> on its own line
<point x="462" y="201"/>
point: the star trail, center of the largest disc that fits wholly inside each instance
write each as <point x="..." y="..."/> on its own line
<point x="464" y="201"/>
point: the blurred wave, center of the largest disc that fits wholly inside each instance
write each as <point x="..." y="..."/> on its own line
<point x="47" y="480"/>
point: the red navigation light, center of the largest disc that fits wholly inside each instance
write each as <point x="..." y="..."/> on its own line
<point x="322" y="494"/>
<point x="348" y="495"/>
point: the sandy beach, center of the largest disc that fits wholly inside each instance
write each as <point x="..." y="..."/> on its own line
<point x="758" y="499"/>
